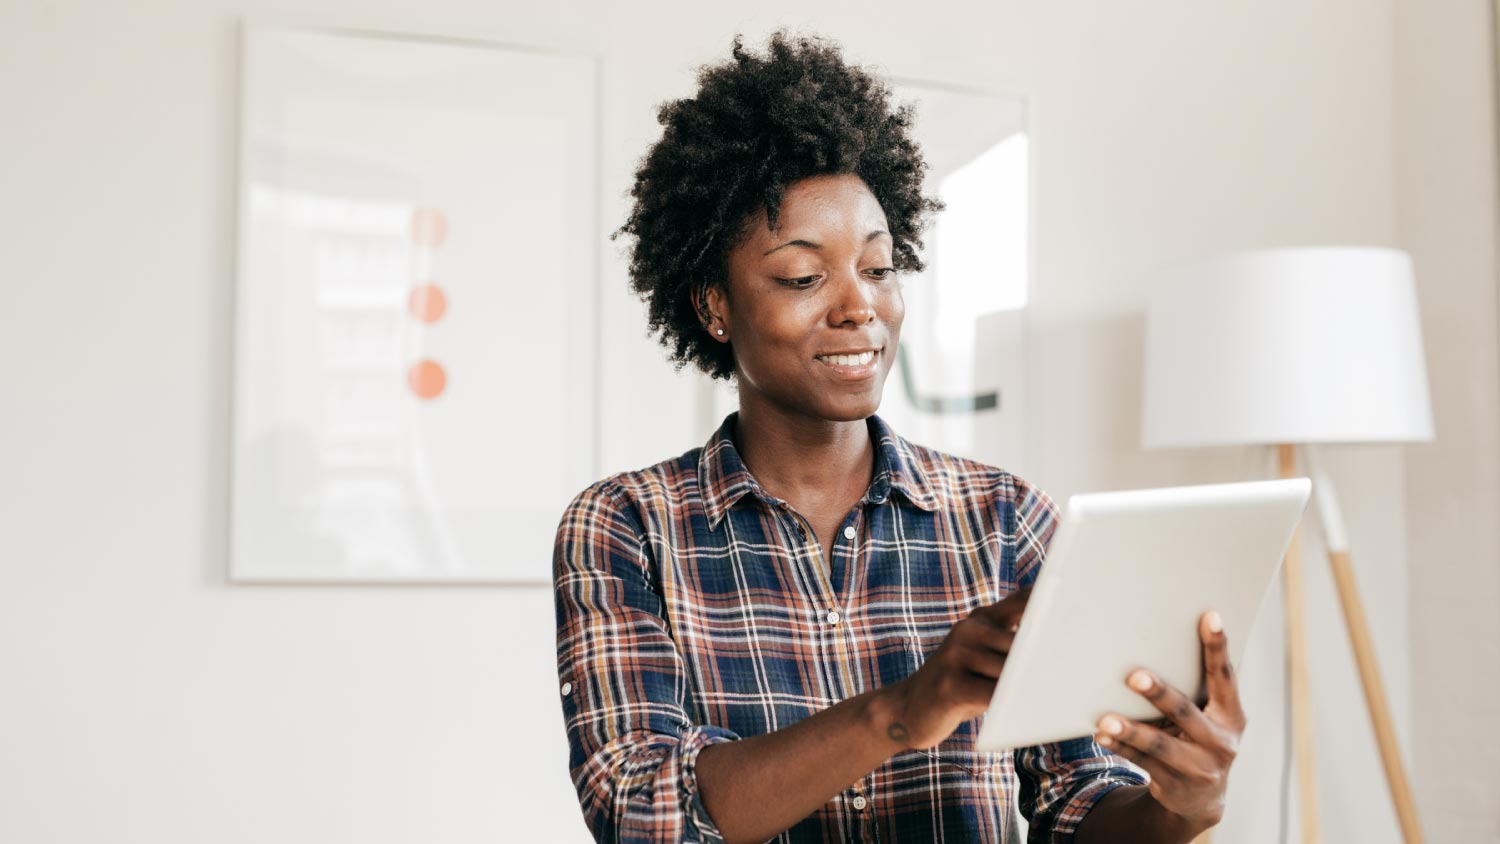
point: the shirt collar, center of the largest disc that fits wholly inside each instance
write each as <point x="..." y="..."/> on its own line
<point x="723" y="479"/>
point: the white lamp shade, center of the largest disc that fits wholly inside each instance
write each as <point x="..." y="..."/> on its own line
<point x="1299" y="345"/>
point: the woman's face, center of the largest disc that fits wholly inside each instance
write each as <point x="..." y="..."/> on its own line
<point x="814" y="309"/>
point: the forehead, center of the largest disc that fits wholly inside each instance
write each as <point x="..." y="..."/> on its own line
<point x="827" y="207"/>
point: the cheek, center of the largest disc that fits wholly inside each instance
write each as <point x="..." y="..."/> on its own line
<point x="770" y="341"/>
<point x="894" y="312"/>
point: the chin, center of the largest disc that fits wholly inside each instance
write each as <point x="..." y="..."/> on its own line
<point x="850" y="408"/>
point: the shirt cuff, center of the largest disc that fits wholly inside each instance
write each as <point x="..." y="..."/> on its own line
<point x="1079" y="804"/>
<point x="693" y="740"/>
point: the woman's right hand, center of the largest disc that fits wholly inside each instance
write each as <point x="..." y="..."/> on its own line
<point x="957" y="681"/>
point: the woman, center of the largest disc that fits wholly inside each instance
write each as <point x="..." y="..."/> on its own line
<point x="789" y="632"/>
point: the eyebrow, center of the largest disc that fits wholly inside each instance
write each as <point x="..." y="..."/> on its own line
<point x="810" y="245"/>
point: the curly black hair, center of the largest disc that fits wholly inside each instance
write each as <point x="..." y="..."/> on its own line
<point x="757" y="125"/>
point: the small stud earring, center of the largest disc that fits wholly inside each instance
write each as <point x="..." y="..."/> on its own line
<point x="720" y="332"/>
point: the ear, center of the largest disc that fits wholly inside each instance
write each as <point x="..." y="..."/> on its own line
<point x="712" y="306"/>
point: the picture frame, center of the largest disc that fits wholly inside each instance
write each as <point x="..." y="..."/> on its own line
<point x="415" y="368"/>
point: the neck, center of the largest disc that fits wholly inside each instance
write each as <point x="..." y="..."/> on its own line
<point x="798" y="457"/>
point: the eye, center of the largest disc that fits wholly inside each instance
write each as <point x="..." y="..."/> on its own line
<point x="885" y="272"/>
<point x="798" y="282"/>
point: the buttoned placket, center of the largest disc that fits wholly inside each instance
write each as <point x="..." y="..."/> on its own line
<point x="846" y="541"/>
<point x="860" y="802"/>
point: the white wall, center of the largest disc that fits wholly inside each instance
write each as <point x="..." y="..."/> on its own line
<point x="1447" y="184"/>
<point x="140" y="686"/>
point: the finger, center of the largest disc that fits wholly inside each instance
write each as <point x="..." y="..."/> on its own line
<point x="1178" y="708"/>
<point x="1223" y="690"/>
<point x="1006" y="613"/>
<point x="1169" y="751"/>
<point x="982" y="633"/>
<point x="1164" y="724"/>
<point x="982" y="661"/>
<point x="1160" y="772"/>
<point x="993" y="621"/>
<point x="974" y="690"/>
<point x="992" y="638"/>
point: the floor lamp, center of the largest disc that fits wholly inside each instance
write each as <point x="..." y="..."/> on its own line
<point x="1290" y="348"/>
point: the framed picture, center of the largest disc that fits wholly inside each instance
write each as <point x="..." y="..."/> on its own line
<point x="414" y="356"/>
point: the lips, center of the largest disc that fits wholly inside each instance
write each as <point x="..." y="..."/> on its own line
<point x="851" y="365"/>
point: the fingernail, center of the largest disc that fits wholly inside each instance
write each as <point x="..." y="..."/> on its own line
<point x="1140" y="681"/>
<point x="1110" y="724"/>
<point x="1215" y="624"/>
<point x="1106" y="741"/>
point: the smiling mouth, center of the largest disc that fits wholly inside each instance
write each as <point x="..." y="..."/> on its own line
<point x="860" y="359"/>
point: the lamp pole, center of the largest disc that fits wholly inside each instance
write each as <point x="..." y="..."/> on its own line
<point x="1296" y="655"/>
<point x="1364" y="651"/>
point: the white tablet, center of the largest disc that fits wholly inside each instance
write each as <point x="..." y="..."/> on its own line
<point x="1122" y="586"/>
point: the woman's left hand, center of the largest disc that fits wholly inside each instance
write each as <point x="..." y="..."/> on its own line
<point x="1188" y="757"/>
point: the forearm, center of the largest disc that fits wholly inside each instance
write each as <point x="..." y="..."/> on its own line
<point x="1130" y="815"/>
<point x="757" y="787"/>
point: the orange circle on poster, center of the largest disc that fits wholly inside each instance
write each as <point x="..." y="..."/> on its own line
<point x="427" y="303"/>
<point x="426" y="378"/>
<point x="428" y="227"/>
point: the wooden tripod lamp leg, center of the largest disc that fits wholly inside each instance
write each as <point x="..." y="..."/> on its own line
<point x="1364" y="656"/>
<point x="1296" y="655"/>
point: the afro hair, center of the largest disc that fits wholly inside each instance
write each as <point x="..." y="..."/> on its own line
<point x="757" y="125"/>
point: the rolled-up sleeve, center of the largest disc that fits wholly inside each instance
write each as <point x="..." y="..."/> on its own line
<point x="1061" y="781"/>
<point x="632" y="748"/>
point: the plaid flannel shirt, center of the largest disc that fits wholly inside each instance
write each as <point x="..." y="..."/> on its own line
<point x="693" y="608"/>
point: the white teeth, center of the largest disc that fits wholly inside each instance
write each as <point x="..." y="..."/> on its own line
<point x="849" y="360"/>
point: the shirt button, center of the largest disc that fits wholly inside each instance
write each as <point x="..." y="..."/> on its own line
<point x="833" y="616"/>
<point x="848" y="531"/>
<point x="567" y="688"/>
<point x="860" y="802"/>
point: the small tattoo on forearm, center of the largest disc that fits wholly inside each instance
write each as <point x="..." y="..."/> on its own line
<point x="897" y="732"/>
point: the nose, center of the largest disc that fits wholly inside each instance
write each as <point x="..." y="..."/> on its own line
<point x="853" y="303"/>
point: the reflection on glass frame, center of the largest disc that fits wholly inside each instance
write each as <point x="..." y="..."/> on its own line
<point x="959" y="383"/>
<point x="414" y="334"/>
